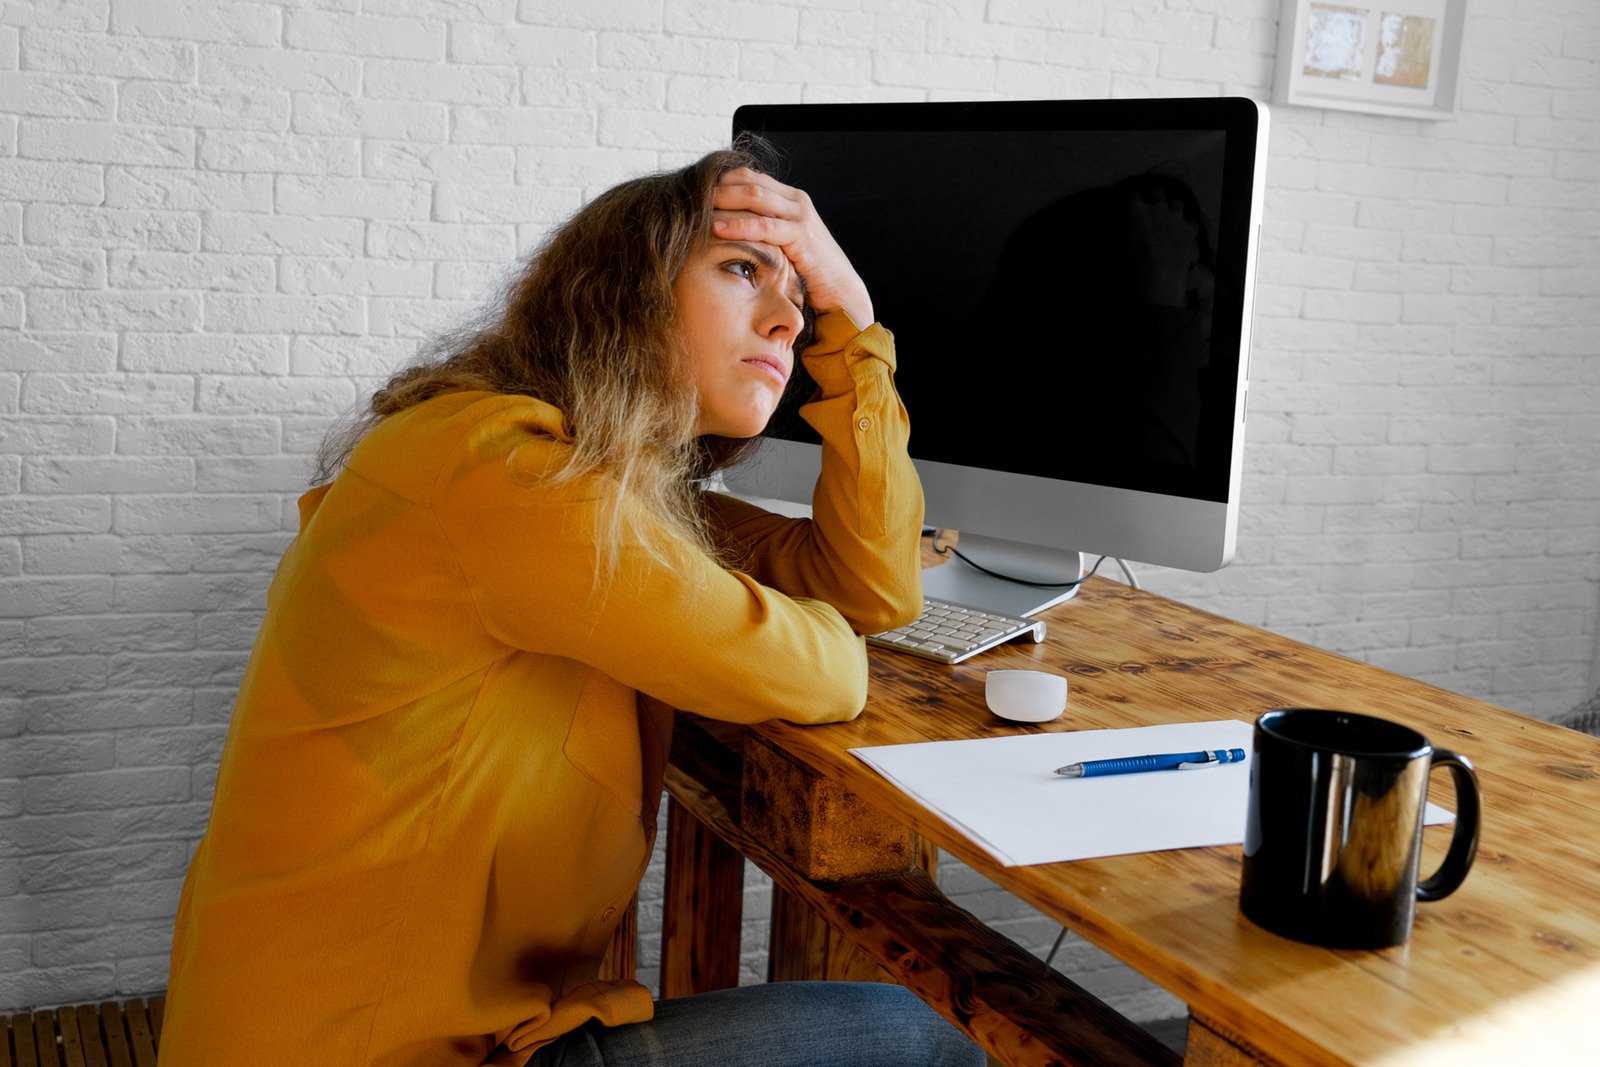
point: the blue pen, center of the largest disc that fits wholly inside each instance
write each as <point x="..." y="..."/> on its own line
<point x="1169" y="761"/>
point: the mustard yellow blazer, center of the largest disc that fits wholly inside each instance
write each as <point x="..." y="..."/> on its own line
<point x="438" y="789"/>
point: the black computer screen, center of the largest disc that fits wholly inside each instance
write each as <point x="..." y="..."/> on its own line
<point x="1064" y="280"/>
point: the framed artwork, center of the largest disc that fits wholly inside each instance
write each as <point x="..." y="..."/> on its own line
<point x="1388" y="57"/>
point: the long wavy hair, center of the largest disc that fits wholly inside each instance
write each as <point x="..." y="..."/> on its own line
<point x="588" y="324"/>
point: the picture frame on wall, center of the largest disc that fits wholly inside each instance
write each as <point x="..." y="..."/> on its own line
<point x="1385" y="57"/>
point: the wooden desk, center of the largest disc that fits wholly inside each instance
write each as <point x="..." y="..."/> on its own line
<point x="1506" y="970"/>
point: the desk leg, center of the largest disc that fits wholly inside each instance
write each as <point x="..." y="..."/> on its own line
<point x="804" y="946"/>
<point x="702" y="910"/>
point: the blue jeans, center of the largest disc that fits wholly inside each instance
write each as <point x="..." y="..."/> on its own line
<point x="781" y="1024"/>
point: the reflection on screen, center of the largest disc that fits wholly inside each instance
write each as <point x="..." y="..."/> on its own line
<point x="1054" y="286"/>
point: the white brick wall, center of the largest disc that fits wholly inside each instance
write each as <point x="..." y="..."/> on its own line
<point x="221" y="221"/>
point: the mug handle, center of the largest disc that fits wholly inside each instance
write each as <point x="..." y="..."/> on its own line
<point x="1464" y="841"/>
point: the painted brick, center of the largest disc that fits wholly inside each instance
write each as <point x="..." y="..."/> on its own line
<point x="1087" y="17"/>
<point x="41" y="515"/>
<point x="415" y="319"/>
<point x="140" y="187"/>
<point x="477" y="283"/>
<point x="105" y="790"/>
<point x="69" y="635"/>
<point x="327" y="275"/>
<point x="159" y="670"/>
<point x="280" y="70"/>
<point x="249" y="553"/>
<point x="355" y="356"/>
<point x="336" y="116"/>
<point x="657" y="54"/>
<point x="519" y="126"/>
<point x="239" y="434"/>
<point x="278" y="235"/>
<point x="182" y="822"/>
<point x="234" y="630"/>
<point x="595" y="89"/>
<point x="179" y="745"/>
<point x="254" y="474"/>
<point x="102" y="310"/>
<point x="163" y="104"/>
<point x="467" y="164"/>
<point x="279" y="314"/>
<point x="253" y="152"/>
<point x="68" y="947"/>
<point x="59" y="754"/>
<point x="731" y="19"/>
<point x="428" y="240"/>
<point x="111" y="56"/>
<point x="396" y="79"/>
<point x="496" y="11"/>
<point x="565" y="166"/>
<point x="71" y="352"/>
<point x="59" y="95"/>
<point x="49" y="224"/>
<point x="11" y="317"/>
<point x="38" y="835"/>
<point x="304" y="433"/>
<point x="184" y="270"/>
<point x="195" y="20"/>
<point x="68" y="140"/>
<point x="159" y="513"/>
<point x="105" y="710"/>
<point x="598" y="14"/>
<point x="188" y="592"/>
<point x="108" y="474"/>
<point x="654" y="129"/>
<point x="352" y="198"/>
<point x="365" y="35"/>
<point x="519" y="46"/>
<point x="112" y="394"/>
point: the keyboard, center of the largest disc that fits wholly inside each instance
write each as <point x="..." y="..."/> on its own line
<point x="949" y="633"/>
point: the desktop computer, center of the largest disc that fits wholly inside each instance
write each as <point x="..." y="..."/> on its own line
<point x="1069" y="284"/>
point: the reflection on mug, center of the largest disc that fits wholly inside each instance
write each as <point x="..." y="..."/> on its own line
<point x="1375" y="863"/>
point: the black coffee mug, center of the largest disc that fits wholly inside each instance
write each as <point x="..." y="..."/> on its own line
<point x="1333" y="834"/>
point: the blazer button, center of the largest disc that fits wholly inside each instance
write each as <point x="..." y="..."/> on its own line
<point x="605" y="916"/>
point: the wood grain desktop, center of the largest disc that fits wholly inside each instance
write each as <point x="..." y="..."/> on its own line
<point x="1507" y="967"/>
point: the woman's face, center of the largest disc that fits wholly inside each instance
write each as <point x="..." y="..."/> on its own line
<point x="738" y="314"/>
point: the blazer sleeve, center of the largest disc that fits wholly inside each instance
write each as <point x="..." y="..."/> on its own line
<point x="681" y="628"/>
<point x="860" y="550"/>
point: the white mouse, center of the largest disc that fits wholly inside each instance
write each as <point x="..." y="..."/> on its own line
<point x="1025" y="696"/>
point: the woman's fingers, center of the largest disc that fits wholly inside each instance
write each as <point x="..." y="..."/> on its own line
<point x="751" y="206"/>
<point x="750" y="190"/>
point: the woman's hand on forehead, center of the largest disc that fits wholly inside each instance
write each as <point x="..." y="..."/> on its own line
<point x="751" y="206"/>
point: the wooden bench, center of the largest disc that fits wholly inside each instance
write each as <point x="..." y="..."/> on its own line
<point x="110" y="1034"/>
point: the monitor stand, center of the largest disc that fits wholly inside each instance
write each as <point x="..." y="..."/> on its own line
<point x="961" y="583"/>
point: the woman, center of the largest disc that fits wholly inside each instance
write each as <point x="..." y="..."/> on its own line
<point x="438" y="790"/>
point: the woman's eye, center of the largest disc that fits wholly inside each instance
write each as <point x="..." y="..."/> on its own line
<point x="742" y="267"/>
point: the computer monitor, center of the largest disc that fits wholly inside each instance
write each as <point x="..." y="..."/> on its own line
<point x="1069" y="286"/>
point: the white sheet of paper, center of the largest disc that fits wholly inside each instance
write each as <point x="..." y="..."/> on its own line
<point x="1003" y="792"/>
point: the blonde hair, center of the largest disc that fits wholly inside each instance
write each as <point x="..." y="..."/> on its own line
<point x="589" y="325"/>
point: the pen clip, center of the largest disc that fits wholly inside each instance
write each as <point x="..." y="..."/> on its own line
<point x="1213" y="758"/>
